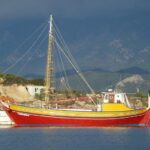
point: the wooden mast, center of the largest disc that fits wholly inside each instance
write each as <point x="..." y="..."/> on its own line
<point x="48" y="74"/>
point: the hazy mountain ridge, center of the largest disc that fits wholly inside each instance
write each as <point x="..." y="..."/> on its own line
<point x="134" y="70"/>
<point x="99" y="80"/>
<point x="102" y="80"/>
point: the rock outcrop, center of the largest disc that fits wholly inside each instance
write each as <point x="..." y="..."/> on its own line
<point x="17" y="92"/>
<point x="132" y="84"/>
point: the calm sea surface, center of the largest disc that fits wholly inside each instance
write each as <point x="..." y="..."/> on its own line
<point x="74" y="138"/>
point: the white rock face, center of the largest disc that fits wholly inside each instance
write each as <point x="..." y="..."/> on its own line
<point x="1" y="80"/>
<point x="17" y="92"/>
<point x="135" y="79"/>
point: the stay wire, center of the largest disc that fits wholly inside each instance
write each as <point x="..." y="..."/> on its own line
<point x="25" y="41"/>
<point x="65" y="47"/>
<point x="76" y="69"/>
<point x="31" y="56"/>
<point x="17" y="61"/>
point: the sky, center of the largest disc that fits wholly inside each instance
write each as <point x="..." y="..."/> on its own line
<point x="82" y="22"/>
<point x="16" y="9"/>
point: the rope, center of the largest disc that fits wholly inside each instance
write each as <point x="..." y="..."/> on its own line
<point x="31" y="56"/>
<point x="62" y="50"/>
<point x="25" y="41"/>
<point x="65" y="47"/>
<point x="65" y="74"/>
<point x="76" y="69"/>
<point x="11" y="66"/>
<point x="62" y="41"/>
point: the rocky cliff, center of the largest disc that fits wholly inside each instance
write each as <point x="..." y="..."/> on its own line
<point x="17" y="92"/>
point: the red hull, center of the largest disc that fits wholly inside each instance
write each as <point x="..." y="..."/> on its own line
<point x="20" y="118"/>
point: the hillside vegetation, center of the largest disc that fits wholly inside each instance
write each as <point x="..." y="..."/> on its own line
<point x="99" y="81"/>
<point x="9" y="79"/>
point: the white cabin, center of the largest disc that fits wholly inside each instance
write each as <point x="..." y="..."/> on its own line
<point x="115" y="97"/>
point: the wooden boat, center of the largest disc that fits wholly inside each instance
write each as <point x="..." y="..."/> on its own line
<point x="114" y="110"/>
<point x="107" y="114"/>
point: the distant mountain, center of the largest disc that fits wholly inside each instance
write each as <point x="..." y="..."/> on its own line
<point x="103" y="81"/>
<point x="94" y="70"/>
<point x="99" y="81"/>
<point x="128" y="80"/>
<point x="134" y="70"/>
<point x="133" y="83"/>
<point x="68" y="72"/>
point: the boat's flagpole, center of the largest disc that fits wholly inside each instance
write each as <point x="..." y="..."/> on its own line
<point x="48" y="74"/>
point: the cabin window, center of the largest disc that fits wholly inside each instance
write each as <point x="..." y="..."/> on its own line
<point x="106" y="97"/>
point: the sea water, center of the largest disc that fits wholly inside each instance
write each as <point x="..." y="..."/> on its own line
<point x="52" y="138"/>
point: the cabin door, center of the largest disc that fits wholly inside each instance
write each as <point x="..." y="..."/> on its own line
<point x="111" y="98"/>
